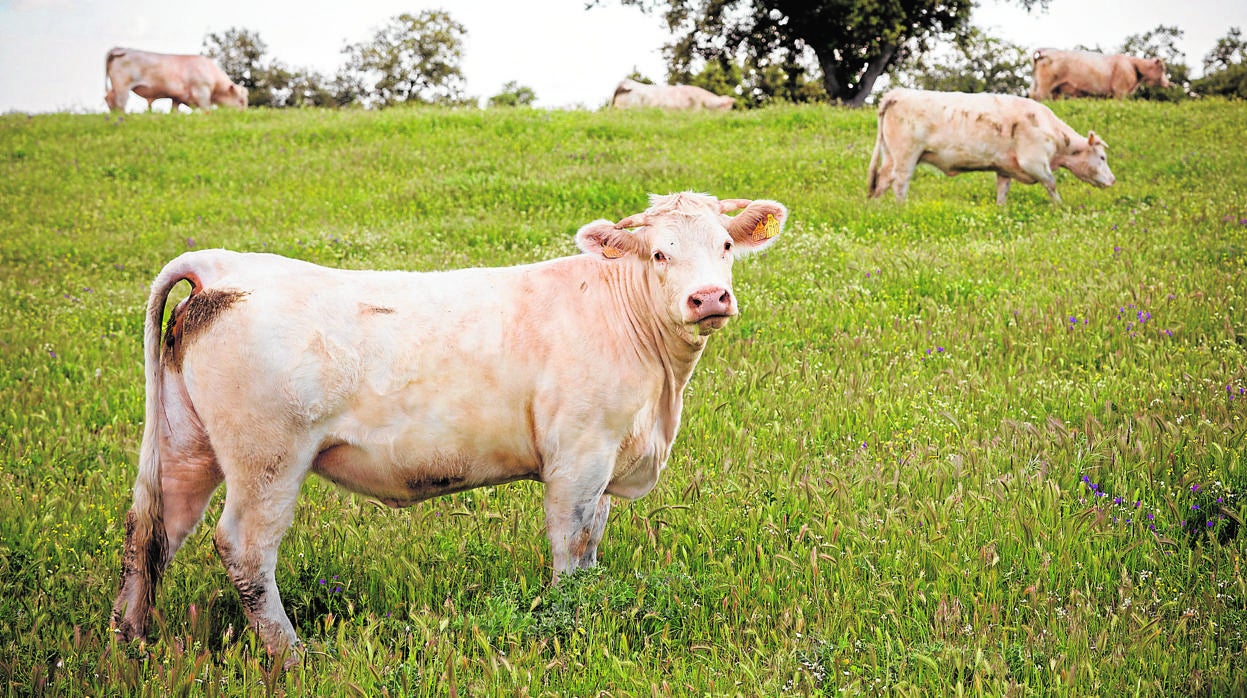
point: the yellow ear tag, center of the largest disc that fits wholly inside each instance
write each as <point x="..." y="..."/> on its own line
<point x="765" y="229"/>
<point x="611" y="252"/>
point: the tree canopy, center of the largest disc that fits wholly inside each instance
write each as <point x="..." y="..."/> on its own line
<point x="240" y="53"/>
<point x="972" y="62"/>
<point x="1225" y="67"/>
<point x="848" y="43"/>
<point x="412" y="58"/>
<point x="1230" y="50"/>
<point x="514" y="94"/>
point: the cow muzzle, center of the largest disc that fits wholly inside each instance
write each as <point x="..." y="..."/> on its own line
<point x="711" y="307"/>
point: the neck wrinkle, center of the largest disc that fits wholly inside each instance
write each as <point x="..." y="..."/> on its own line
<point x="652" y="338"/>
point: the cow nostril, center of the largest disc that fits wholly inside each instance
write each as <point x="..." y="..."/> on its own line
<point x="725" y="297"/>
<point x="695" y="301"/>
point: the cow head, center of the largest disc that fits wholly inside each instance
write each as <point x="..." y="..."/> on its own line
<point x="1089" y="162"/>
<point x="684" y="245"/>
<point x="1151" y="71"/>
<point x="234" y="96"/>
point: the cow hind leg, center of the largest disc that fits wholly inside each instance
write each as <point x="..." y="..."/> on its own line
<point x="117" y="95"/>
<point x="259" y="507"/>
<point x="902" y="173"/>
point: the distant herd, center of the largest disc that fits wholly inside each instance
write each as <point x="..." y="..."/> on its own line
<point x="403" y="386"/>
<point x="1015" y="137"/>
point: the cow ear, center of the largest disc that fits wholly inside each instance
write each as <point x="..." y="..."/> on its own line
<point x="757" y="226"/>
<point x="607" y="240"/>
<point x="1093" y="139"/>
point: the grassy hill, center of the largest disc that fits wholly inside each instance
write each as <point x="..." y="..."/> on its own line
<point x="947" y="447"/>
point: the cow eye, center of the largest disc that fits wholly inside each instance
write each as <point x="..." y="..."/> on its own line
<point x="659" y="256"/>
<point x="727" y="246"/>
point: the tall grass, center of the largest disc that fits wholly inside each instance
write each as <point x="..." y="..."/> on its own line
<point x="947" y="448"/>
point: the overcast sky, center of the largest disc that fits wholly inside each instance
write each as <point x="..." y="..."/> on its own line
<point x="52" y="51"/>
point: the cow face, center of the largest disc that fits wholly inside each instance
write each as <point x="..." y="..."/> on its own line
<point x="235" y="96"/>
<point x="1152" y="71"/>
<point x="1090" y="163"/>
<point x="684" y="245"/>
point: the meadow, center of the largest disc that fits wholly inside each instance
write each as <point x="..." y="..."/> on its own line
<point x="948" y="448"/>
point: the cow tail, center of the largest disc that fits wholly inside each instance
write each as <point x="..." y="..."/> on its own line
<point x="872" y="177"/>
<point x="147" y="543"/>
<point x="620" y="89"/>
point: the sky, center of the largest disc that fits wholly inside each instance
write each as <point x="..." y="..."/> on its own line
<point x="52" y="51"/>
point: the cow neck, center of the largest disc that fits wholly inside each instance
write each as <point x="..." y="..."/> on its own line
<point x="649" y="331"/>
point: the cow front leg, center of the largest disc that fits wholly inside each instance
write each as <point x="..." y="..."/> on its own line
<point x="576" y="516"/>
<point x="1050" y="185"/>
<point x="1002" y="188"/>
<point x="590" y="556"/>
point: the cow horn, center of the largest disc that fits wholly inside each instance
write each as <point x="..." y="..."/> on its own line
<point x="729" y="205"/>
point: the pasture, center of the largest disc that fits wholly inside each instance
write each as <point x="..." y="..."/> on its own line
<point x="947" y="448"/>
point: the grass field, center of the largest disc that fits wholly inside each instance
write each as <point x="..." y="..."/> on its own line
<point x="948" y="448"/>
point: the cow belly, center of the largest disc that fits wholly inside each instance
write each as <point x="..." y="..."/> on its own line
<point x="415" y="478"/>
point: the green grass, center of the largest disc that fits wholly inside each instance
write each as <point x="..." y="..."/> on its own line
<point x="878" y="487"/>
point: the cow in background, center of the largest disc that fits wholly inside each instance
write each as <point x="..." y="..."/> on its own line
<point x="1015" y="137"/>
<point x="1090" y="74"/>
<point x="630" y="93"/>
<point x="186" y="79"/>
<point x="403" y="386"/>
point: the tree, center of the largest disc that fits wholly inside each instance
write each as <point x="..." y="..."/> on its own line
<point x="1231" y="82"/>
<point x="1162" y="43"/>
<point x="849" y="43"/>
<point x="302" y="88"/>
<point x="413" y="58"/>
<point x="755" y="85"/>
<point x="514" y="95"/>
<point x="1230" y="50"/>
<point x="240" y="53"/>
<point x="1225" y="68"/>
<point x="974" y="62"/>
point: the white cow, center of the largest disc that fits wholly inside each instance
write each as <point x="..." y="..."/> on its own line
<point x="186" y="79"/>
<point x="630" y="94"/>
<point x="402" y="386"/>
<point x="1015" y="137"/>
<point x="1091" y="74"/>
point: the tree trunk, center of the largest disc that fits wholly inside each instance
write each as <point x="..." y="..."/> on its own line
<point x="831" y="83"/>
<point x="844" y="92"/>
<point x="877" y="65"/>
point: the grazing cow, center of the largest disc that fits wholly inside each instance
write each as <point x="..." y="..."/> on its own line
<point x="191" y="80"/>
<point x="630" y="93"/>
<point x="1015" y="137"/>
<point x="403" y="386"/>
<point x="1090" y="74"/>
